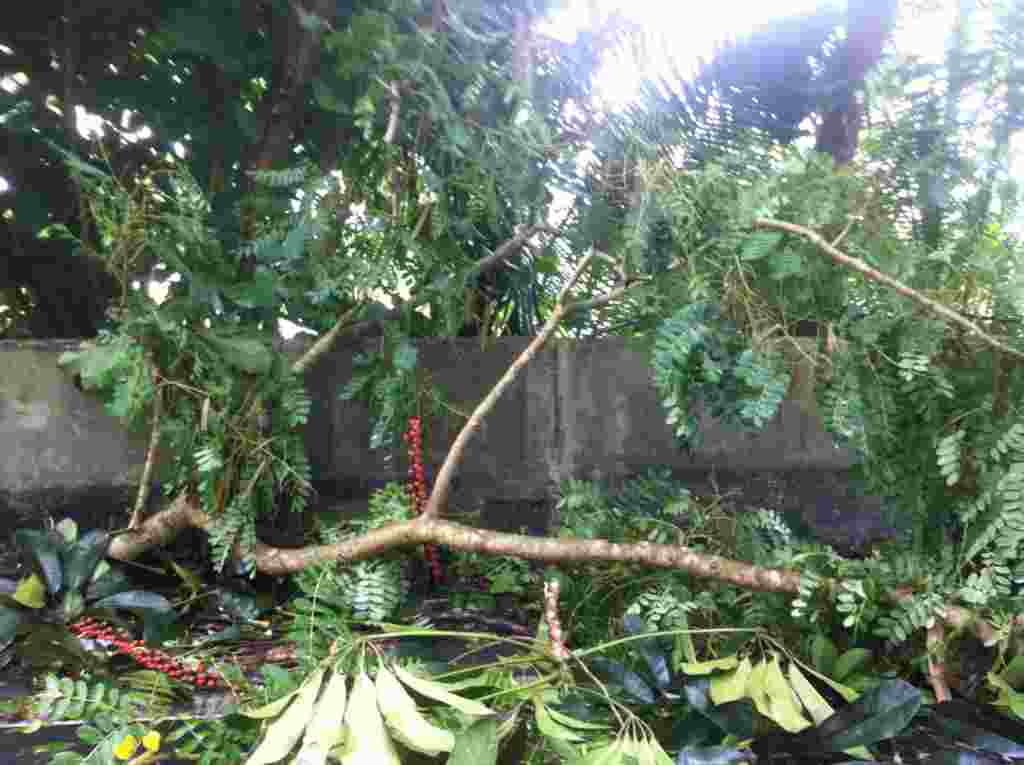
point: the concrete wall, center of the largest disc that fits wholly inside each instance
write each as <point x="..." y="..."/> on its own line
<point x="580" y="409"/>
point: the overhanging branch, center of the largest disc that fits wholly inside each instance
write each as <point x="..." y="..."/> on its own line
<point x="858" y="265"/>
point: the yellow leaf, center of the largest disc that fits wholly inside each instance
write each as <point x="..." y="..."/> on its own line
<point x="733" y="686"/>
<point x="438" y="692"/>
<point x="707" y="667"/>
<point x="151" y="741"/>
<point x="273" y="709"/>
<point x="814" y="702"/>
<point x="284" y="732"/>
<point x="405" y="721"/>
<point x="325" y="730"/>
<point x="368" y="741"/>
<point x="126" y="748"/>
<point x="31" y="592"/>
<point x="781" y="701"/>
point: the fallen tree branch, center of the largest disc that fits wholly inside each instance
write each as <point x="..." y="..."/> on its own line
<point x="145" y="482"/>
<point x="858" y="265"/>
<point x="430" y="529"/>
<point x="163" y="526"/>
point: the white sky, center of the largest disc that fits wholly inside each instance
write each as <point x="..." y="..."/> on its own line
<point x="689" y="31"/>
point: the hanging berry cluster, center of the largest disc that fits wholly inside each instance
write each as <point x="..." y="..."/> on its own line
<point x="413" y="438"/>
<point x="150" y="658"/>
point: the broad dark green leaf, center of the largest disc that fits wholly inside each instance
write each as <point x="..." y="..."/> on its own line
<point x="616" y="674"/>
<point x="111" y="582"/>
<point x="135" y="599"/>
<point x="9" y="621"/>
<point x="45" y="551"/>
<point x="878" y="714"/>
<point x="850" y="662"/>
<point x="737" y="718"/>
<point x="650" y="649"/>
<point x="477" y="744"/>
<point x="81" y="559"/>
<point x="981" y="728"/>
<point x="823" y="654"/>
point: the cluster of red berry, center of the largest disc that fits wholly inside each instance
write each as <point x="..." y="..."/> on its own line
<point x="413" y="438"/>
<point x="150" y="658"/>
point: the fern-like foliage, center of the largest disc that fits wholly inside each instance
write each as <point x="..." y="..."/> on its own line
<point x="699" y="357"/>
<point x="367" y="591"/>
<point x="108" y="713"/>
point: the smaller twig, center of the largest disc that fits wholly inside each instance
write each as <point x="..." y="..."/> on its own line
<point x="442" y="486"/>
<point x="510" y="248"/>
<point x="396" y="104"/>
<point x="421" y="221"/>
<point x="875" y="275"/>
<point x="551" y="618"/>
<point x="324" y="343"/>
<point x="842" y="234"/>
<point x="934" y="642"/>
<point x="151" y="451"/>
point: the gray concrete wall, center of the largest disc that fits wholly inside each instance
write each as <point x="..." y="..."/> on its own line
<point x="584" y="409"/>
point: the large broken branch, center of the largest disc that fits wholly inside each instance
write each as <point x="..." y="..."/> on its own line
<point x="162" y="527"/>
<point x="430" y="529"/>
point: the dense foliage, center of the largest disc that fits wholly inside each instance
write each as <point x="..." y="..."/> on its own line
<point x="439" y="169"/>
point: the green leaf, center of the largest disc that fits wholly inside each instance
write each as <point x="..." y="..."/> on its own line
<point x="89" y="734"/>
<point x="136" y="599"/>
<point x="878" y="714"/>
<point x="760" y="244"/>
<point x="823" y="654"/>
<point x="850" y="662"/>
<point x="9" y="620"/>
<point x="258" y="292"/>
<point x="82" y="558"/>
<point x="327" y="99"/>
<point x="67" y="758"/>
<point x="45" y="549"/>
<point x="244" y="353"/>
<point x="548" y="727"/>
<point x="477" y="744"/>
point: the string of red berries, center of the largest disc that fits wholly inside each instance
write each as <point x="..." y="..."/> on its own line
<point x="417" y="488"/>
<point x="150" y="658"/>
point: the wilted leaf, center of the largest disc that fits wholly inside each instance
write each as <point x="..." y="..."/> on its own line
<point x="368" y="740"/>
<point x="284" y="732"/>
<point x="713" y="665"/>
<point x="731" y="686"/>
<point x="548" y="727"/>
<point x="325" y="730"/>
<point x="438" y="692"/>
